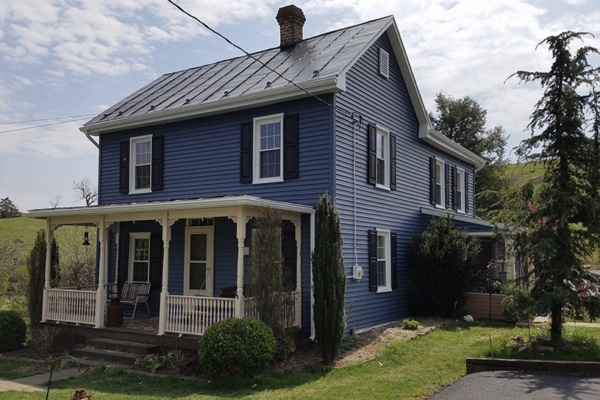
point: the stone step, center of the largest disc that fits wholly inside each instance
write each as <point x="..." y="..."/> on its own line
<point x="141" y="349"/>
<point x="109" y="356"/>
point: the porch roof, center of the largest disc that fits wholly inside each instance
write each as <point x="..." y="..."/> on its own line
<point x="170" y="205"/>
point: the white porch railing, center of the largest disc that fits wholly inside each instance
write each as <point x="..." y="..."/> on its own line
<point x="291" y="301"/>
<point x="192" y="315"/>
<point x="65" y="305"/>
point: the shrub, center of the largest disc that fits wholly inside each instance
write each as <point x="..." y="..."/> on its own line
<point x="411" y="324"/>
<point x="237" y="346"/>
<point x="152" y="362"/>
<point x="178" y="360"/>
<point x="42" y="338"/>
<point x="12" y="331"/>
<point x="448" y="256"/>
<point x="36" y="266"/>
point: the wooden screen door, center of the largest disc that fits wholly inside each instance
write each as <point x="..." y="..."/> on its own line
<point x="198" y="270"/>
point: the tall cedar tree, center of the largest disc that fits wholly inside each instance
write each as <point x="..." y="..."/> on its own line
<point x="36" y="266"/>
<point x="556" y="224"/>
<point x="8" y="209"/>
<point x="464" y="121"/>
<point x="329" y="280"/>
<point x="265" y="272"/>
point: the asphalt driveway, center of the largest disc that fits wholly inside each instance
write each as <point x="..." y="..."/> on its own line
<point x="511" y="385"/>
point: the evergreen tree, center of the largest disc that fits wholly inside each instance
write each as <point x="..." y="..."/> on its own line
<point x="8" y="209"/>
<point x="36" y="266"/>
<point x="464" y="121"/>
<point x="329" y="279"/>
<point x="555" y="224"/>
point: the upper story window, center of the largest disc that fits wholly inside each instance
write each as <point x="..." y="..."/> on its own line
<point x="459" y="200"/>
<point x="383" y="158"/>
<point x="141" y="164"/>
<point x="268" y="154"/>
<point x="439" y="183"/>
<point x="139" y="267"/>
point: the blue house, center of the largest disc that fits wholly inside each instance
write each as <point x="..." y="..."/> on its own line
<point x="189" y="160"/>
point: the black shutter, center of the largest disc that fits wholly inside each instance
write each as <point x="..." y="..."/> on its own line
<point x="433" y="182"/>
<point x="246" y="153"/>
<point x="157" y="162"/>
<point x="455" y="198"/>
<point x="447" y="185"/>
<point x="372" y="261"/>
<point x="394" y="252"/>
<point x="392" y="162"/>
<point x="467" y="202"/>
<point x="372" y="162"/>
<point x="156" y="255"/>
<point x="123" y="261"/>
<point x="124" y="168"/>
<point x="290" y="146"/>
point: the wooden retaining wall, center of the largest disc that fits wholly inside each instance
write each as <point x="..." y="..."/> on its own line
<point x="485" y="306"/>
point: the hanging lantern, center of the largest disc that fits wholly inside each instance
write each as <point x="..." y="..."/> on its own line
<point x="86" y="238"/>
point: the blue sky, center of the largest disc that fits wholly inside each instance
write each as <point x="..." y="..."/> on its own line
<point x="69" y="57"/>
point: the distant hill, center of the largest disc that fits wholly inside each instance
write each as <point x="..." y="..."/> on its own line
<point x="521" y="173"/>
<point x="24" y="230"/>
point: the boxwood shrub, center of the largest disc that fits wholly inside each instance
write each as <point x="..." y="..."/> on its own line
<point x="237" y="346"/>
<point x="12" y="331"/>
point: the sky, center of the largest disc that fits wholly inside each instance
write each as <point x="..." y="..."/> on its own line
<point x="63" y="58"/>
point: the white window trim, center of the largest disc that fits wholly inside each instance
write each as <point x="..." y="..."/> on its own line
<point x="132" y="237"/>
<point x="256" y="179"/>
<point x="462" y="189"/>
<point x="442" y="182"/>
<point x="386" y="172"/>
<point x="386" y="233"/>
<point x="132" y="142"/>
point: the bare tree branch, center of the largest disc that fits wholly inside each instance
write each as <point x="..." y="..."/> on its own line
<point x="86" y="191"/>
<point x="56" y="201"/>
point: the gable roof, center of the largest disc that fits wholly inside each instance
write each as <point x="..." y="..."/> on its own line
<point x="318" y="65"/>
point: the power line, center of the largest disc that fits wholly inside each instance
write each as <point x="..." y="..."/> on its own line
<point x="41" y="126"/>
<point x="46" y="119"/>
<point x="354" y="115"/>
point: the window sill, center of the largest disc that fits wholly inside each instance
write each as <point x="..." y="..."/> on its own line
<point x="140" y="191"/>
<point x="460" y="212"/>
<point x="267" y="180"/>
<point x="384" y="290"/>
<point x="382" y="187"/>
<point x="440" y="207"/>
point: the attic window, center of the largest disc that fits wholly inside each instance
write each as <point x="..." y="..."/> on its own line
<point x="384" y="63"/>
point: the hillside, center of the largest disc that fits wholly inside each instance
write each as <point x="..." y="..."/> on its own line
<point x="521" y="173"/>
<point x="23" y="229"/>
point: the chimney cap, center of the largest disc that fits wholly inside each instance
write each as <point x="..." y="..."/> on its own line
<point x="290" y="11"/>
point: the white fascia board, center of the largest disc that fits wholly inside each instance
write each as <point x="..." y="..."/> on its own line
<point x="171" y="206"/>
<point x="449" y="146"/>
<point x="332" y="84"/>
<point x="457" y="217"/>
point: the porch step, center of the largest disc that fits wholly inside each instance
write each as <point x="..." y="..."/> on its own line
<point x="110" y="356"/>
<point x="141" y="349"/>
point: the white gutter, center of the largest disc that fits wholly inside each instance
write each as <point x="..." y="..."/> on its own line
<point x="332" y="84"/>
<point x="87" y="135"/>
<point x="458" y="217"/>
<point x="229" y="201"/>
<point x="449" y="146"/>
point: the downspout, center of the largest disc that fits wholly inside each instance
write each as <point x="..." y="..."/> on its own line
<point x="87" y="135"/>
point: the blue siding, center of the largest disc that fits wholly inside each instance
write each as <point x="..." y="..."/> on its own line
<point x="201" y="157"/>
<point x="385" y="102"/>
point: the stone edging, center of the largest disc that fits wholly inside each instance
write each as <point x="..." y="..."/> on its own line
<point x="563" y="367"/>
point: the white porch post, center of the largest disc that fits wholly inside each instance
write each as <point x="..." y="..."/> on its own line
<point x="47" y="269"/>
<point x="101" y="292"/>
<point x="298" y="297"/>
<point x="240" y="220"/>
<point x="166" y="236"/>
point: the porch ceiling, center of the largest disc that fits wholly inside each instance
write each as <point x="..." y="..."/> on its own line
<point x="167" y="206"/>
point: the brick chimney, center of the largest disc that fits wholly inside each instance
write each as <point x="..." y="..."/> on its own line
<point x="291" y="20"/>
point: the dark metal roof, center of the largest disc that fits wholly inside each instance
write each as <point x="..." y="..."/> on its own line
<point x="318" y="57"/>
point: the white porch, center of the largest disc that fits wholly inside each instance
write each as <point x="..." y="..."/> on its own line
<point x="182" y="313"/>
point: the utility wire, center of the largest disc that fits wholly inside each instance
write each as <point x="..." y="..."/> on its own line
<point x="348" y="113"/>
<point x="46" y="119"/>
<point x="41" y="126"/>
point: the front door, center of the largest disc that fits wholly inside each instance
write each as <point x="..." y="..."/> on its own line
<point x="198" y="272"/>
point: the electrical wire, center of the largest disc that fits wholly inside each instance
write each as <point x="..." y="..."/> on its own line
<point x="41" y="126"/>
<point x="46" y="119"/>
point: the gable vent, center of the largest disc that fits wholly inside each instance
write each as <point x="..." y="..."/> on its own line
<point x="384" y="63"/>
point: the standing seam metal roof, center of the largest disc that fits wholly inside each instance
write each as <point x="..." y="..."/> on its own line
<point x="318" y="57"/>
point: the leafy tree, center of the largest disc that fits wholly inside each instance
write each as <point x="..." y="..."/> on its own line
<point x="36" y="266"/>
<point x="556" y="224"/>
<point x="464" y="121"/>
<point x="8" y="209"/>
<point x="449" y="255"/>
<point x="329" y="277"/>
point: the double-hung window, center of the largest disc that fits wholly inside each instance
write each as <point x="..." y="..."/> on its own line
<point x="268" y="154"/>
<point x="439" y="183"/>
<point x="460" y="190"/>
<point x="384" y="268"/>
<point x="139" y="264"/>
<point x="383" y="158"/>
<point x="140" y="164"/>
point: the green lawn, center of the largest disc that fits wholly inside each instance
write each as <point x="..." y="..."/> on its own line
<point x="405" y="370"/>
<point x="15" y="369"/>
<point x="24" y="229"/>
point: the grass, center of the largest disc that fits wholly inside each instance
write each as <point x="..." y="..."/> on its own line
<point x="412" y="369"/>
<point x="15" y="369"/>
<point x="23" y="228"/>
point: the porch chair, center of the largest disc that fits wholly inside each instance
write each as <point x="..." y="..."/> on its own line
<point x="134" y="293"/>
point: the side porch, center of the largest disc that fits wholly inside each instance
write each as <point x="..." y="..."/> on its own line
<point x="191" y="254"/>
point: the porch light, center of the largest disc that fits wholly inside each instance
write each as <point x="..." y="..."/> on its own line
<point x="86" y="238"/>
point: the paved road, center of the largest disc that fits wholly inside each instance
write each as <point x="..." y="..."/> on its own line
<point x="502" y="385"/>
